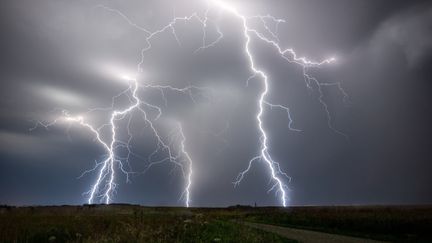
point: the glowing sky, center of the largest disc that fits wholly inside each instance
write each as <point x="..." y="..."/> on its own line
<point x="73" y="55"/>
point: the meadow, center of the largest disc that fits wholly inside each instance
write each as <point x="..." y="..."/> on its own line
<point x="133" y="223"/>
<point x="385" y="223"/>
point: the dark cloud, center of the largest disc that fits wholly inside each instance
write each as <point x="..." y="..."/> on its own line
<point x="62" y="54"/>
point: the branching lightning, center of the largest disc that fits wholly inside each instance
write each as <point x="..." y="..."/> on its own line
<point x="189" y="162"/>
<point x="290" y="56"/>
<point x="105" y="183"/>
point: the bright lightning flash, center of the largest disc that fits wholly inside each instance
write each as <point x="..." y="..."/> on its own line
<point x="248" y="32"/>
<point x="105" y="184"/>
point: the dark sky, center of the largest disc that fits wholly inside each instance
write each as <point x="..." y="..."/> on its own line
<point x="68" y="54"/>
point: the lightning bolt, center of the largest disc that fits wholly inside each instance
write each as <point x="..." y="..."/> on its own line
<point x="105" y="183"/>
<point x="289" y="55"/>
<point x="189" y="161"/>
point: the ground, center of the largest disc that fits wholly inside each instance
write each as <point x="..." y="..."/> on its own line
<point x="132" y="223"/>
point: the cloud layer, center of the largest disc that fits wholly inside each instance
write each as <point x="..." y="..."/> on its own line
<point x="71" y="55"/>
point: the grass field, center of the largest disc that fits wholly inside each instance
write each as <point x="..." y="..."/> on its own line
<point x="129" y="223"/>
<point x="391" y="223"/>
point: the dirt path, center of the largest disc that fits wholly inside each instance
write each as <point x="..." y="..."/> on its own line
<point x="307" y="236"/>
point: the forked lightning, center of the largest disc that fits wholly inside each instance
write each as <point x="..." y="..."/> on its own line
<point x="105" y="183"/>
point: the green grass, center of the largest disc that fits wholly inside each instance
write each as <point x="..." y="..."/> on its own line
<point x="124" y="224"/>
<point x="129" y="223"/>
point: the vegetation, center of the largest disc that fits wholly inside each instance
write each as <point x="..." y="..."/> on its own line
<point x="122" y="223"/>
<point x="132" y="223"/>
<point x="390" y="223"/>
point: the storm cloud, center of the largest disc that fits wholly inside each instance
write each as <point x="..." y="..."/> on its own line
<point x="68" y="55"/>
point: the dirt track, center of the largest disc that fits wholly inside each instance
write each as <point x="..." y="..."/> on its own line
<point x="307" y="236"/>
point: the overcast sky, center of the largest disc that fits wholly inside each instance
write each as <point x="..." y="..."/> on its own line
<point x="58" y="54"/>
